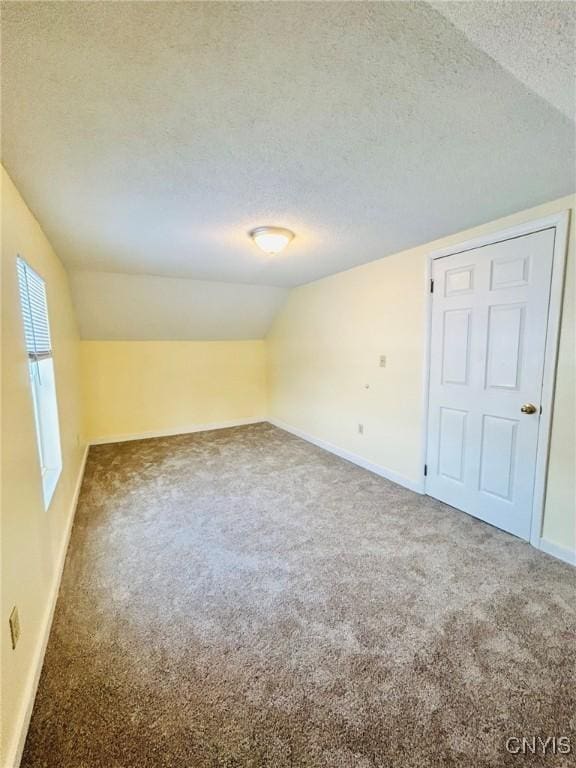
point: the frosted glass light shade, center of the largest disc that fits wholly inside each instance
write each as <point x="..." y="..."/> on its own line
<point x="271" y="240"/>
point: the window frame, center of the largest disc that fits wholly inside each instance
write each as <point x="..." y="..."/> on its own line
<point x="42" y="378"/>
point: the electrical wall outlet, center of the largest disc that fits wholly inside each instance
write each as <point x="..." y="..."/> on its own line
<point x="360" y="429"/>
<point x="382" y="361"/>
<point x="14" y="622"/>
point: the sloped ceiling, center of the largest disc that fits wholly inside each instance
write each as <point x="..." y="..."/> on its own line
<point x="148" y="138"/>
<point x="132" y="307"/>
<point x="536" y="42"/>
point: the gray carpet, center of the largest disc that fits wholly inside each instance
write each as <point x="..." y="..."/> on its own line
<point x="240" y="599"/>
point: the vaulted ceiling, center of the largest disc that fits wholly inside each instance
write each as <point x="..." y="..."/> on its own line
<point x="534" y="41"/>
<point x="148" y="138"/>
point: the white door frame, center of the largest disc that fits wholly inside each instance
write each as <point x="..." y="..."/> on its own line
<point x="559" y="222"/>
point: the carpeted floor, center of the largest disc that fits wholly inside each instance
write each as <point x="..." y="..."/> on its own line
<point x="242" y="599"/>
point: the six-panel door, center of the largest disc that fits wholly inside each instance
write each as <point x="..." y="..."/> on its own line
<point x="489" y="316"/>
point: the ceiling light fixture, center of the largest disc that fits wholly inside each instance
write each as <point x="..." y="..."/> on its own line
<point x="271" y="240"/>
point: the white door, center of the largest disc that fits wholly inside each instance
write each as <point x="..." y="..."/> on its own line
<point x="488" y="335"/>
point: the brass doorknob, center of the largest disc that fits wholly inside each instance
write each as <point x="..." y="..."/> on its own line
<point x="528" y="408"/>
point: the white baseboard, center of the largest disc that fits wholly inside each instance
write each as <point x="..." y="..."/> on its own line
<point x="417" y="487"/>
<point x="562" y="553"/>
<point x="14" y="751"/>
<point x="177" y="431"/>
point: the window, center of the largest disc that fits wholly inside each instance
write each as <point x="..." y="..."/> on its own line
<point x="41" y="368"/>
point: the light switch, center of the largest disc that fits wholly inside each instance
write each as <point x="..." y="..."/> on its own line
<point x="382" y="361"/>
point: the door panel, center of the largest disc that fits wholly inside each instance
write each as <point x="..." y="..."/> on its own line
<point x="452" y="444"/>
<point x="489" y="317"/>
<point x="456" y="346"/>
<point x="497" y="456"/>
<point x="459" y="281"/>
<point x="509" y="272"/>
<point x="504" y="345"/>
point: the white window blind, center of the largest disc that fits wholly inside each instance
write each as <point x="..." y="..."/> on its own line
<point x="34" y="312"/>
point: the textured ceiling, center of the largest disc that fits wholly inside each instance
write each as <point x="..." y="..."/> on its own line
<point x="535" y="41"/>
<point x="149" y="137"/>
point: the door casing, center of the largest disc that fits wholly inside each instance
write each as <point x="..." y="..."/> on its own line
<point x="559" y="222"/>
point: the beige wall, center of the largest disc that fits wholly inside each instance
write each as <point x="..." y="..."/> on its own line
<point x="140" y="387"/>
<point x="33" y="539"/>
<point x="325" y="379"/>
